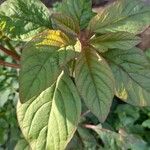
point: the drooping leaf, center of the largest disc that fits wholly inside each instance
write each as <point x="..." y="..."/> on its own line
<point x="50" y="120"/>
<point x="79" y="10"/>
<point x="75" y="143"/>
<point x="132" y="73"/>
<point x="23" y="19"/>
<point x="122" y="15"/>
<point x="95" y="82"/>
<point x="42" y="62"/>
<point x="120" y="40"/>
<point x="65" y="23"/>
<point x="22" y="144"/>
<point x="88" y="140"/>
<point x="119" y="141"/>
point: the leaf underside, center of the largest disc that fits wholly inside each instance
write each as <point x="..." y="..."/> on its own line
<point x="50" y="120"/>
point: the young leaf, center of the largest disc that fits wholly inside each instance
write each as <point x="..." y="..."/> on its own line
<point x="132" y="73"/>
<point x="122" y="15"/>
<point x="23" y="19"/>
<point x="95" y="82"/>
<point x="50" y="120"/>
<point x="65" y="23"/>
<point x="120" y="40"/>
<point x="79" y="10"/>
<point x="42" y="62"/>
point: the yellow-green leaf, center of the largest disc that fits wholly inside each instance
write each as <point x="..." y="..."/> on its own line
<point x="49" y="120"/>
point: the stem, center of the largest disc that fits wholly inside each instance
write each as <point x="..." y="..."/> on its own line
<point x="93" y="127"/>
<point x="6" y="64"/>
<point x="85" y="113"/>
<point x="10" y="53"/>
<point x="89" y="126"/>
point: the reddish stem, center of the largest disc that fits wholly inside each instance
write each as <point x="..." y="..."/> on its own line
<point x="6" y="64"/>
<point x="10" y="53"/>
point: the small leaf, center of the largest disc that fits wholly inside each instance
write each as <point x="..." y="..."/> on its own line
<point x="23" y="19"/>
<point x="120" y="40"/>
<point x="95" y="82"/>
<point x="79" y="10"/>
<point x="42" y="61"/>
<point x="122" y="15"/>
<point x="65" y="23"/>
<point x="146" y="123"/>
<point x="50" y="120"/>
<point x="87" y="138"/>
<point x="132" y="73"/>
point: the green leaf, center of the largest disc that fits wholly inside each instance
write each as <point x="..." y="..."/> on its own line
<point x="120" y="40"/>
<point x="50" y="120"/>
<point x="42" y="61"/>
<point x="132" y="73"/>
<point x="95" y="82"/>
<point x="79" y="10"/>
<point x="65" y="23"/>
<point x="122" y="15"/>
<point x="23" y="19"/>
<point x="22" y="145"/>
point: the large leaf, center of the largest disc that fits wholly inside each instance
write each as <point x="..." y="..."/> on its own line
<point x="23" y="19"/>
<point x="79" y="10"/>
<point x="95" y="82"/>
<point x="50" y="120"/>
<point x="120" y="40"/>
<point x="122" y="15"/>
<point x="132" y="73"/>
<point x="42" y="62"/>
